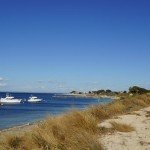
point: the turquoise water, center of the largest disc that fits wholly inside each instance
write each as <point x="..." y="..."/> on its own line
<point x="52" y="104"/>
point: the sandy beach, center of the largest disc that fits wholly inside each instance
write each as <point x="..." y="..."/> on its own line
<point x="120" y="125"/>
<point x="21" y="128"/>
<point x="135" y="140"/>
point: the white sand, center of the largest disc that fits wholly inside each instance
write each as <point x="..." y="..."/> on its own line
<point x="135" y="140"/>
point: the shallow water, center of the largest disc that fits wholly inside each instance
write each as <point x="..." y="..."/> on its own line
<point x="52" y="104"/>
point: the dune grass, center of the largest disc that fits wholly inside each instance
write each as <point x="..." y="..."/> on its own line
<point x="76" y="130"/>
<point x="121" y="127"/>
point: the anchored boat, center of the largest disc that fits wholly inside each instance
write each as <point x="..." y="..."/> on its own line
<point x="10" y="100"/>
<point x="34" y="99"/>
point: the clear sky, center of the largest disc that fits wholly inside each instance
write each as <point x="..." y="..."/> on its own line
<point x="61" y="45"/>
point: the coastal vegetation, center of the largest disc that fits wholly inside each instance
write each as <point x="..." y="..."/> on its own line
<point x="138" y="90"/>
<point x="121" y="127"/>
<point x="77" y="130"/>
<point x="108" y="92"/>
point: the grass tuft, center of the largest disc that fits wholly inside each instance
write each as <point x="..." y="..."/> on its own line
<point x="14" y="142"/>
<point x="121" y="127"/>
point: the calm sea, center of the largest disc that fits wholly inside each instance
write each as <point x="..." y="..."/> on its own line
<point x="52" y="104"/>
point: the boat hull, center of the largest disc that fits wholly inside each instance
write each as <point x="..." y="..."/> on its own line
<point x="34" y="100"/>
<point x="15" y="101"/>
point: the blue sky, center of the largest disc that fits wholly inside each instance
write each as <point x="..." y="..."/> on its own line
<point x="58" y="46"/>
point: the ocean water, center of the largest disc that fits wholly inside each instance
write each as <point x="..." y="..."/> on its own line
<point x="52" y="104"/>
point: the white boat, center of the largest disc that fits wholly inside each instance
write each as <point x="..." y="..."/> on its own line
<point x="34" y="99"/>
<point x="10" y="100"/>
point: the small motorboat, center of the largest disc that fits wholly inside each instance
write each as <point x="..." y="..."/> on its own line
<point x="34" y="99"/>
<point x="10" y="100"/>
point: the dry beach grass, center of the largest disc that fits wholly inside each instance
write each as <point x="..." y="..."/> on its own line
<point x="76" y="130"/>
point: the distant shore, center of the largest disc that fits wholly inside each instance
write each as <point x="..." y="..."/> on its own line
<point x="87" y="96"/>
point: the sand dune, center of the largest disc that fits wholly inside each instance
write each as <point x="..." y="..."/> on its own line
<point x="135" y="140"/>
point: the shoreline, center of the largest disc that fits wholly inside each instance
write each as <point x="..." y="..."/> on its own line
<point x="31" y="122"/>
<point x="29" y="125"/>
<point x="84" y="125"/>
<point x="18" y="127"/>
